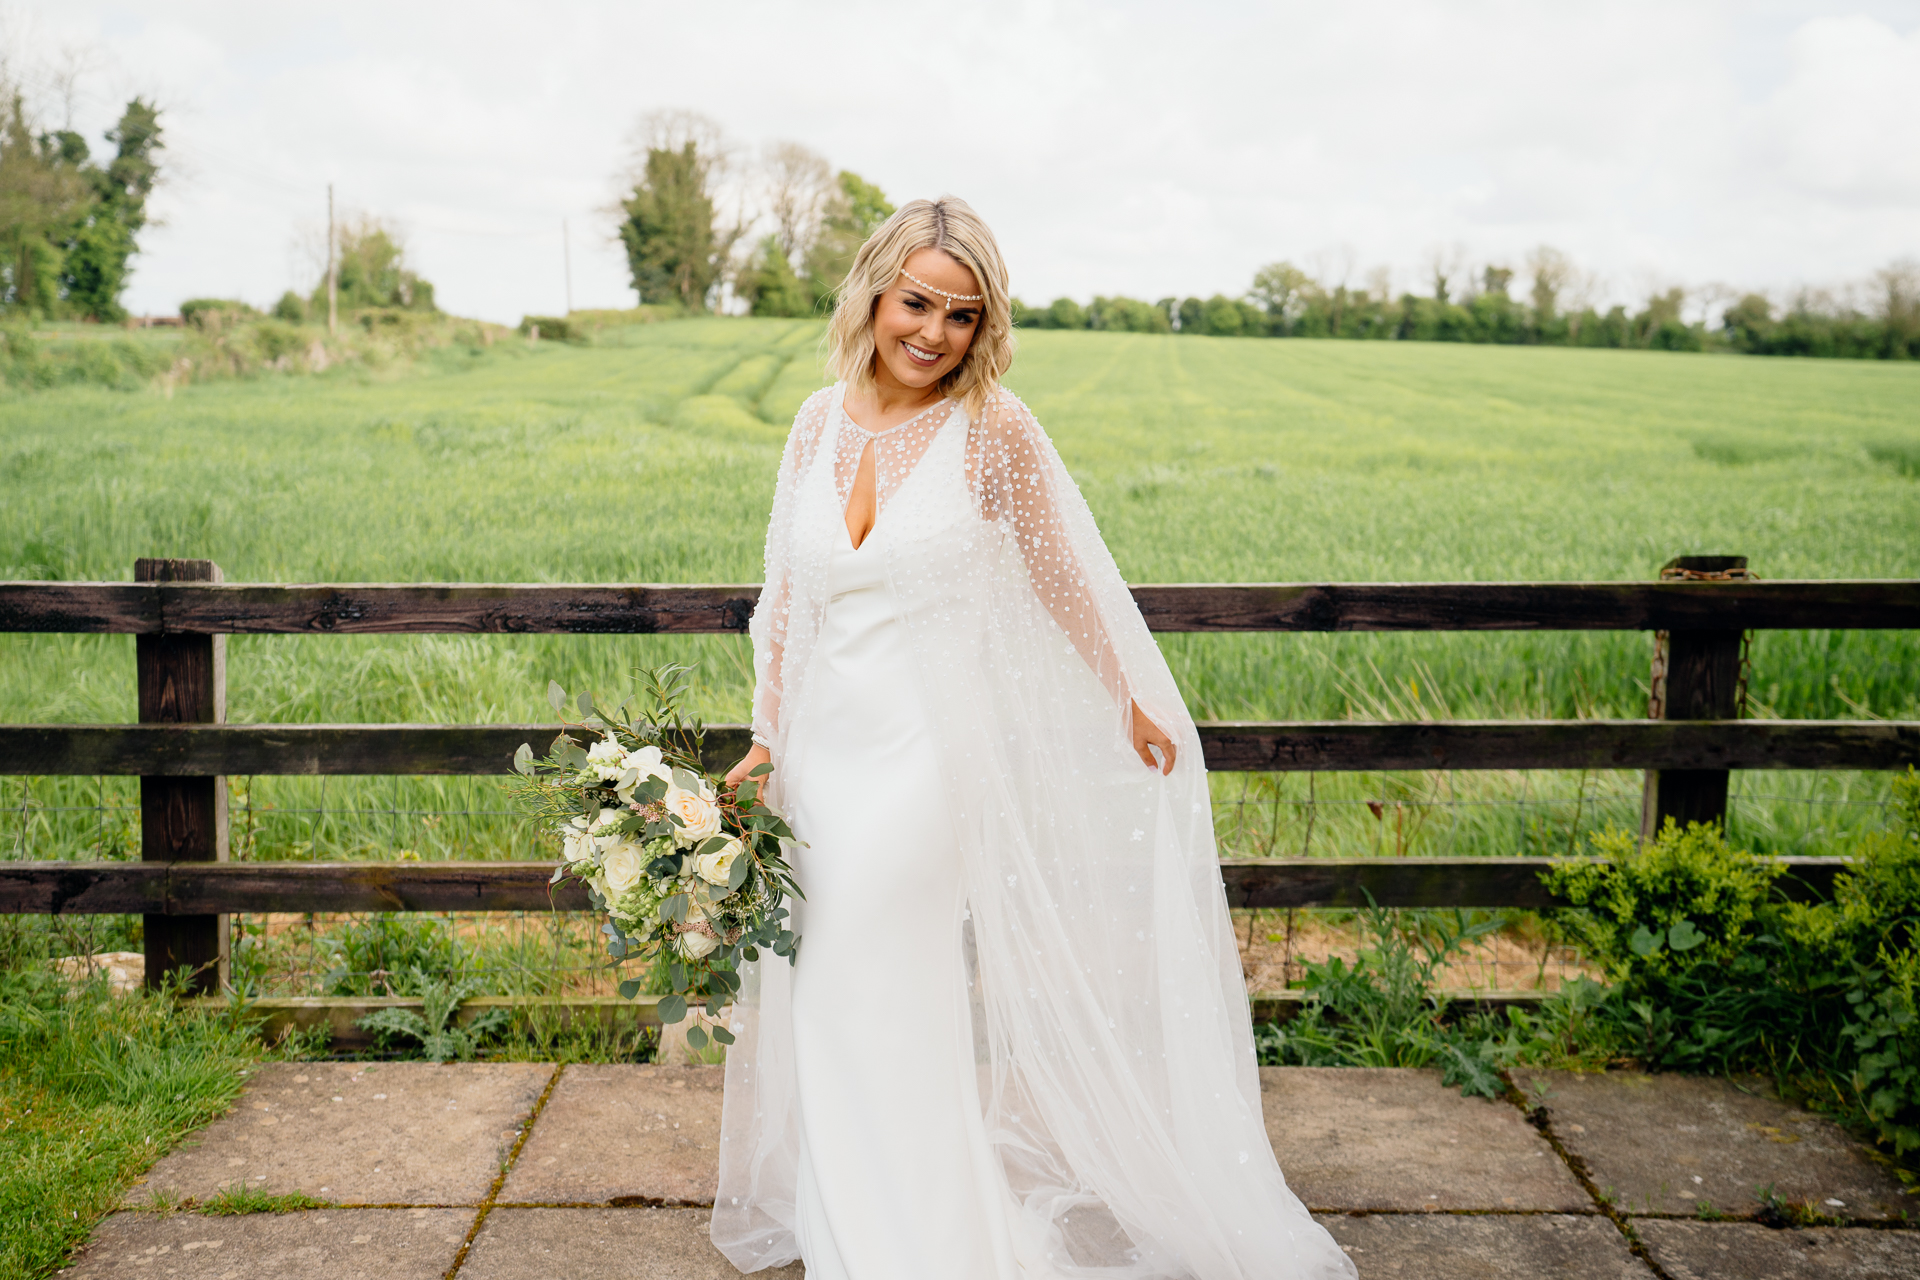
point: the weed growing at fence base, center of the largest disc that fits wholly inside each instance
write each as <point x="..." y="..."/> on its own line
<point x="1204" y="459"/>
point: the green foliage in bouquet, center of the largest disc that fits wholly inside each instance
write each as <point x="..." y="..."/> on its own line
<point x="686" y="871"/>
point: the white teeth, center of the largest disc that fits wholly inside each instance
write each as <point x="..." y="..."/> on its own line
<point x="920" y="354"/>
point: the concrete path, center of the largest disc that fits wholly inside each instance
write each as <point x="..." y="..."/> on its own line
<point x="528" y="1172"/>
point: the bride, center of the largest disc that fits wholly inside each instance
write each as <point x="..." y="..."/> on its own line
<point x="1015" y="1040"/>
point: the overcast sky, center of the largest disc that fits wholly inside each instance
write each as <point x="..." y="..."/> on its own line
<point x="1146" y="149"/>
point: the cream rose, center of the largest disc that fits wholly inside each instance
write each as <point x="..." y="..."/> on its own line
<point x="716" y="868"/>
<point x="624" y="866"/>
<point x="694" y="944"/>
<point x="648" y="762"/>
<point x="698" y="814"/>
<point x="577" y="843"/>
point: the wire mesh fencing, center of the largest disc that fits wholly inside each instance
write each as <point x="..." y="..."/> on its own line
<point x="1310" y="815"/>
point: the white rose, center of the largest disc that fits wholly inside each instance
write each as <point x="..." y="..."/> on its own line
<point x="604" y="758"/>
<point x="698" y="814"/>
<point x="716" y="868"/>
<point x="694" y="944"/>
<point x="578" y="844"/>
<point x="624" y="866"/>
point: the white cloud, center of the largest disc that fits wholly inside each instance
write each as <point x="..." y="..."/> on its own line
<point x="1117" y="147"/>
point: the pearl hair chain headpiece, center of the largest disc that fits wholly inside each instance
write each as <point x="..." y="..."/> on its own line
<point x="950" y="297"/>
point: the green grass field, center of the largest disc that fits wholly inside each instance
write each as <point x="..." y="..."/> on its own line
<point x="649" y="456"/>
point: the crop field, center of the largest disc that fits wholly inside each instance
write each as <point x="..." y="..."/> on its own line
<point x="649" y="456"/>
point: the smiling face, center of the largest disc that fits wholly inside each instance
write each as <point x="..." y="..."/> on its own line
<point x="917" y="338"/>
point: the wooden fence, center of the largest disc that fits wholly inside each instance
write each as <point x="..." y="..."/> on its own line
<point x="179" y="613"/>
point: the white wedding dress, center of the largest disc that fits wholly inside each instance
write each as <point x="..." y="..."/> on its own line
<point x="1015" y="1042"/>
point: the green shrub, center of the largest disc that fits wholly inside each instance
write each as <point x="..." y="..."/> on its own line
<point x="552" y="328"/>
<point x="1681" y="900"/>
<point x="1714" y="970"/>
<point x="214" y="313"/>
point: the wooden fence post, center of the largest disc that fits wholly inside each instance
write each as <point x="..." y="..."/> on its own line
<point x="1696" y="676"/>
<point x="183" y="680"/>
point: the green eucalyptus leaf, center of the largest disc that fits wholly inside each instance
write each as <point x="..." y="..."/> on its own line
<point x="696" y="1038"/>
<point x="723" y="1035"/>
<point x="760" y="771"/>
<point x="523" y="759"/>
<point x="584" y="702"/>
<point x="738" y="873"/>
<point x="1684" y="937"/>
<point x="672" y="1008"/>
<point x="630" y="988"/>
<point x="751" y="953"/>
<point x="556" y="695"/>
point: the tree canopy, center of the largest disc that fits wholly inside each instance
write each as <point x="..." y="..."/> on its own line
<point x="674" y="250"/>
<point x="69" y="226"/>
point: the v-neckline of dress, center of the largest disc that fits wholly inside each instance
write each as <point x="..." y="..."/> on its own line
<point x="846" y="420"/>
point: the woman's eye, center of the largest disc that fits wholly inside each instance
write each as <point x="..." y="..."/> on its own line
<point x="915" y="304"/>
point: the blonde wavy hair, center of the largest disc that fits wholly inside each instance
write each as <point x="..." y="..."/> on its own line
<point x="948" y="224"/>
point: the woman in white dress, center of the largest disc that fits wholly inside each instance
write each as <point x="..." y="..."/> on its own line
<point x="1015" y="1041"/>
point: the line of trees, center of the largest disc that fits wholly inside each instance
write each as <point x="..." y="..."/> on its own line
<point x="789" y="241"/>
<point x="1880" y="321"/>
<point x="69" y="225"/>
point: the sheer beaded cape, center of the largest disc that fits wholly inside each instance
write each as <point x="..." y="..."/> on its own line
<point x="1118" y="1083"/>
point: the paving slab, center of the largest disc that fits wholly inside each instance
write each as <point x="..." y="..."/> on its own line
<point x="624" y="1134"/>
<point x="1748" y="1251"/>
<point x="574" y="1244"/>
<point x="340" y="1244"/>
<point x="1670" y="1143"/>
<point x="360" y="1133"/>
<point x="1525" y="1246"/>
<point x="1391" y="1139"/>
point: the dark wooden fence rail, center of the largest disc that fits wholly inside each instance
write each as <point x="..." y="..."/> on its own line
<point x="119" y="608"/>
<point x="179" y="611"/>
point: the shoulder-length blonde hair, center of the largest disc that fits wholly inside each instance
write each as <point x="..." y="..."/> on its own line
<point x="951" y="225"/>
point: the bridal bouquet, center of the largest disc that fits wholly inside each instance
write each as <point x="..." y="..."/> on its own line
<point x="688" y="874"/>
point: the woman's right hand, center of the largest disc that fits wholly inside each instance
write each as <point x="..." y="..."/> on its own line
<point x="748" y="763"/>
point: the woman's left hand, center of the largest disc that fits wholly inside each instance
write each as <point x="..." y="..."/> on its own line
<point x="1147" y="734"/>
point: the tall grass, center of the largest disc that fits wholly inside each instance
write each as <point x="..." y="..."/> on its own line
<point x="648" y="454"/>
<point x="93" y="1088"/>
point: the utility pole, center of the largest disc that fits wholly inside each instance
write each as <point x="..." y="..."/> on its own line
<point x="333" y="273"/>
<point x="566" y="255"/>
